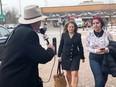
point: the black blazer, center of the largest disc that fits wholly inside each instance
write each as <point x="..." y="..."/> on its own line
<point x="19" y="67"/>
<point x="71" y="46"/>
<point x="109" y="62"/>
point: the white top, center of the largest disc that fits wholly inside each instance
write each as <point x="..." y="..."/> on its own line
<point x="94" y="42"/>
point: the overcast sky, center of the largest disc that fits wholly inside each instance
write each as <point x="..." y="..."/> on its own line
<point x="44" y="3"/>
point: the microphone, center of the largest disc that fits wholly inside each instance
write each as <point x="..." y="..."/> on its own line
<point x="42" y="31"/>
<point x="54" y="42"/>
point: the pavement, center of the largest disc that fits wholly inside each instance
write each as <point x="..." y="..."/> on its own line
<point x="85" y="75"/>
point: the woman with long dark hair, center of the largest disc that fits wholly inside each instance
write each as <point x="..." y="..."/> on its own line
<point x="71" y="51"/>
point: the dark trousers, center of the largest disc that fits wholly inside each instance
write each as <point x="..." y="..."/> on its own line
<point x="96" y="67"/>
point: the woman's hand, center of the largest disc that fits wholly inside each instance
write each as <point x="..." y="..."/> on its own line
<point x="106" y="50"/>
<point x="59" y="59"/>
<point x="83" y="60"/>
<point x="98" y="51"/>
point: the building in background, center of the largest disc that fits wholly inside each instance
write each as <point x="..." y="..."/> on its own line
<point x="85" y="10"/>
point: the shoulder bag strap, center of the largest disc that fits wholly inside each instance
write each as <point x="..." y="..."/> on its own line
<point x="59" y="68"/>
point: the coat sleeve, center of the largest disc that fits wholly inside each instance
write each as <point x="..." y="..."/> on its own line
<point x="61" y="45"/>
<point x="35" y="51"/>
<point x="81" y="48"/>
<point x="112" y="48"/>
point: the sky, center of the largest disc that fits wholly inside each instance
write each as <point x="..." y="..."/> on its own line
<point x="20" y="4"/>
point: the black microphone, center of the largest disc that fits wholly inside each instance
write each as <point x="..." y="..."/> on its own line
<point x="42" y="31"/>
<point x="54" y="42"/>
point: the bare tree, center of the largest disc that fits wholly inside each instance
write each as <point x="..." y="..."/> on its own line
<point x="11" y="16"/>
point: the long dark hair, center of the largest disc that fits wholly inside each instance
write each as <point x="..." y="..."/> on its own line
<point x="72" y="22"/>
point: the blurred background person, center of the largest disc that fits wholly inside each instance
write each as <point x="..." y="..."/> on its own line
<point x="105" y="24"/>
<point x="83" y="25"/>
<point x="87" y="25"/>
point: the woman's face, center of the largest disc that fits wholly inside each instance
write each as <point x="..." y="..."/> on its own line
<point x="96" y="25"/>
<point x="71" y="28"/>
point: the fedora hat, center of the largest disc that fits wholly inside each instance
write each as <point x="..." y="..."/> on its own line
<point x="32" y="14"/>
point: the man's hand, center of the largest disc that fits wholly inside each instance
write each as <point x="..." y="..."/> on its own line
<point x="51" y="46"/>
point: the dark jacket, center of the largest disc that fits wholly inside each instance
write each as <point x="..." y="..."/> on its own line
<point x="19" y="67"/>
<point x="71" y="46"/>
<point x="109" y="62"/>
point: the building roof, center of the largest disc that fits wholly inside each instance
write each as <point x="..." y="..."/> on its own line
<point x="80" y="10"/>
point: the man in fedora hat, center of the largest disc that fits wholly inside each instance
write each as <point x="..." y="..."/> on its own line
<point x="23" y="52"/>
